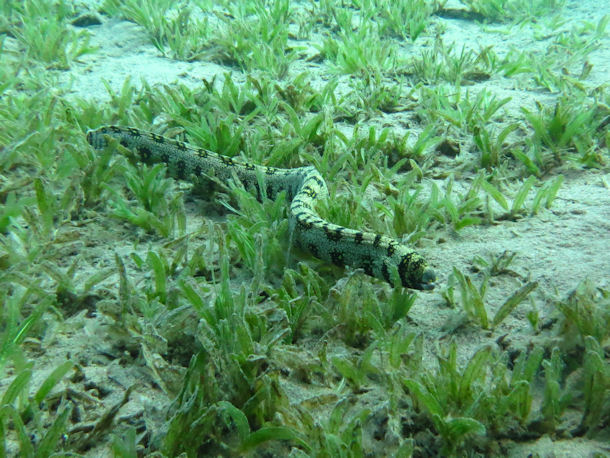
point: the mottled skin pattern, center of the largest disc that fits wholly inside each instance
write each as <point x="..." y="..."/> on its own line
<point x="378" y="255"/>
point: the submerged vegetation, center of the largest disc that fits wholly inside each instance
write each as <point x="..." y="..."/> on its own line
<point x="140" y="315"/>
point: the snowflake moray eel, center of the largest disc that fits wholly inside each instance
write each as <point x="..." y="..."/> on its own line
<point x="379" y="256"/>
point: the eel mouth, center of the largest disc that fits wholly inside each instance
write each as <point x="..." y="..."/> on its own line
<point x="428" y="280"/>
